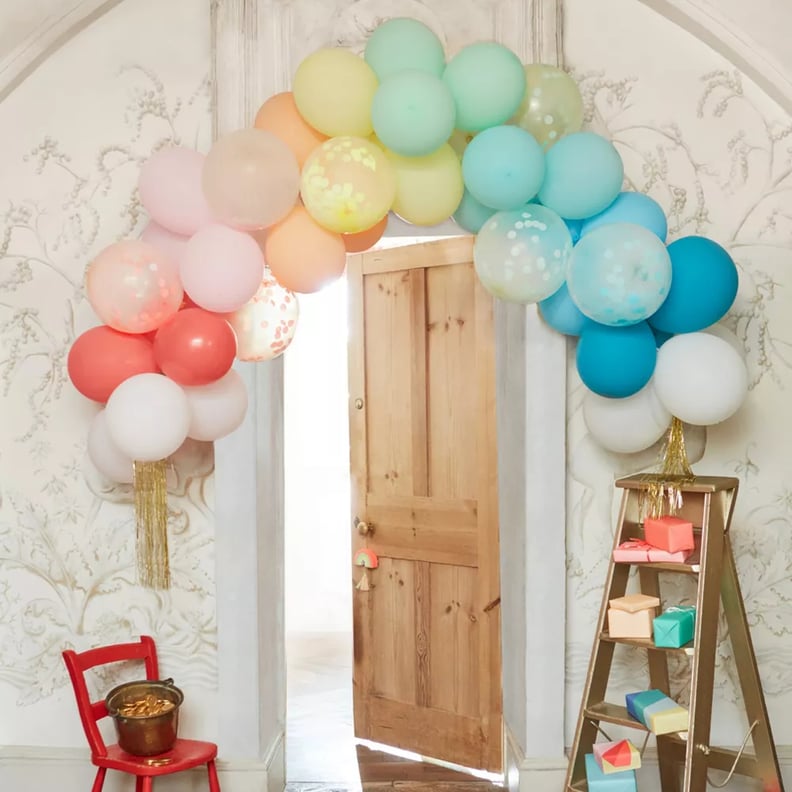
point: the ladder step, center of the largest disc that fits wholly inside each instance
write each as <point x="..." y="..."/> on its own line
<point x="613" y="713"/>
<point x="648" y="643"/>
<point x="580" y="786"/>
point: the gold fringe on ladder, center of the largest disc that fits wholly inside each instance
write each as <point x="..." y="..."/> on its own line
<point x="151" y="513"/>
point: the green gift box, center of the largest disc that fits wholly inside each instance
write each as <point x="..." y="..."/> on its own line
<point x="674" y="628"/>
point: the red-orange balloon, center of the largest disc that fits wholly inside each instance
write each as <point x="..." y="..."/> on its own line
<point x="102" y="358"/>
<point x="363" y="240"/>
<point x="279" y="116"/>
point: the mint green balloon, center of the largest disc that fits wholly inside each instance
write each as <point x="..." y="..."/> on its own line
<point x="487" y="82"/>
<point x="400" y="44"/>
<point x="471" y="214"/>
<point x="413" y="113"/>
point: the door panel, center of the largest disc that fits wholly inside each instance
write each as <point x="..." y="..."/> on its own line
<point x="422" y="424"/>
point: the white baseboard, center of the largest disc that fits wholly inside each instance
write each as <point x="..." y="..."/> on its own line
<point x="70" y="770"/>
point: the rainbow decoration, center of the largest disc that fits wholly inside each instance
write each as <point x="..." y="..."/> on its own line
<point x="366" y="558"/>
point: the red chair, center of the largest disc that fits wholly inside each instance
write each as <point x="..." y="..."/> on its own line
<point x="184" y="755"/>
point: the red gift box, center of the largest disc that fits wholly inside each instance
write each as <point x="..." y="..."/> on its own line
<point x="669" y="533"/>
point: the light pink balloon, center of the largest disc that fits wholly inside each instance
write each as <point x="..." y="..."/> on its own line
<point x="217" y="409"/>
<point x="170" y="189"/>
<point x="221" y="268"/>
<point x="172" y="245"/>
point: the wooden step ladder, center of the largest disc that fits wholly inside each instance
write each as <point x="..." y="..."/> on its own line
<point x="708" y="502"/>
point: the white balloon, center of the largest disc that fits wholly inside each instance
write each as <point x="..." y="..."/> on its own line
<point x="217" y="409"/>
<point x="721" y="331"/>
<point x="700" y="378"/>
<point x="148" y="417"/>
<point x="628" y="425"/>
<point x="112" y="463"/>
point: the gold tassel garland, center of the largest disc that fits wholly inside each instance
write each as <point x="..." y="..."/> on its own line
<point x="151" y="513"/>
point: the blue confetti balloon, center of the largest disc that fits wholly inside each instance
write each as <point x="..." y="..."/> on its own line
<point x="471" y="214"/>
<point x="616" y="362"/>
<point x="562" y="314"/>
<point x="619" y="274"/>
<point x="631" y="207"/>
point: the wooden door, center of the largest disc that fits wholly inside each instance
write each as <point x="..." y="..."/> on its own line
<point x="427" y="673"/>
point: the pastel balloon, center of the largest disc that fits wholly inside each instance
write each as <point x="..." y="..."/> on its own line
<point x="133" y="287"/>
<point x="521" y="255"/>
<point x="279" y="115"/>
<point x="503" y="167"/>
<point x="552" y="106"/>
<point x="147" y="417"/>
<point x="561" y="313"/>
<point x="460" y="140"/>
<point x="172" y="245"/>
<point x="723" y="332"/>
<point x="333" y="89"/>
<point x="348" y="185"/>
<point x="471" y="214"/>
<point x="302" y="255"/>
<point x="487" y="82"/>
<point x="251" y="179"/>
<point x="266" y="325"/>
<point x="619" y="274"/>
<point x="401" y="44"/>
<point x="221" y="268"/>
<point x="583" y="176"/>
<point x="113" y="464"/>
<point x="631" y="207"/>
<point x="363" y="240"/>
<point x="170" y="190"/>
<point x="217" y="409"/>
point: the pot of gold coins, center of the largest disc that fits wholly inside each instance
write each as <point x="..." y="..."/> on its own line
<point x="146" y="715"/>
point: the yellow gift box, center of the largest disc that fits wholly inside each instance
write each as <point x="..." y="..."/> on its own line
<point x="666" y="716"/>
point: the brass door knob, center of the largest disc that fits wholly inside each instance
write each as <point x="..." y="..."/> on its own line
<point x="364" y="529"/>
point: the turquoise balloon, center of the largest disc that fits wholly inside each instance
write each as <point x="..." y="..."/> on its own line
<point x="487" y="82"/>
<point x="575" y="227"/>
<point x="619" y="274"/>
<point x="562" y="314"/>
<point x="631" y="207"/>
<point x="413" y="113"/>
<point x="583" y="176"/>
<point x="400" y="44"/>
<point x="471" y="214"/>
<point x="503" y="167"/>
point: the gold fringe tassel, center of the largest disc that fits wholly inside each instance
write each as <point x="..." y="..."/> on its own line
<point x="151" y="513"/>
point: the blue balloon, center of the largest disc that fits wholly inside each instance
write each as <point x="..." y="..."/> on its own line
<point x="631" y="207"/>
<point x="704" y="283"/>
<point x="562" y="314"/>
<point x="503" y="167"/>
<point x="575" y="228"/>
<point x="660" y="336"/>
<point x="616" y="362"/>
<point x="471" y="214"/>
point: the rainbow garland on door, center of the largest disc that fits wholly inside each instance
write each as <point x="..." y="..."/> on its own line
<point x="273" y="210"/>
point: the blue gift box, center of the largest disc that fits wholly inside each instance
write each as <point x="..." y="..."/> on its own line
<point x="674" y="628"/>
<point x="638" y="702"/>
<point x="612" y="782"/>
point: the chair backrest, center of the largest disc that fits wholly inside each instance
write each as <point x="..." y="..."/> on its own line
<point x="78" y="663"/>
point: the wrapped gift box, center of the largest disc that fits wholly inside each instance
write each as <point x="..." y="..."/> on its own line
<point x="638" y="702"/>
<point x="616" y="757"/>
<point x="656" y="555"/>
<point x="669" y="533"/>
<point x="666" y="716"/>
<point x="633" y="551"/>
<point x="631" y="616"/>
<point x="608" y="782"/>
<point x="675" y="627"/>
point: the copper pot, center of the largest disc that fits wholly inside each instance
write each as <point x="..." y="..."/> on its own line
<point x="145" y="734"/>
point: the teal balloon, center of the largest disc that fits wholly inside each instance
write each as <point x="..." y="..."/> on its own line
<point x="631" y="207"/>
<point x="616" y="362"/>
<point x="471" y="214"/>
<point x="487" y="82"/>
<point x="561" y="313"/>
<point x="413" y="113"/>
<point x="400" y="44"/>
<point x="660" y="336"/>
<point x="619" y="274"/>
<point x="503" y="167"/>
<point x="575" y="227"/>
<point x="583" y="176"/>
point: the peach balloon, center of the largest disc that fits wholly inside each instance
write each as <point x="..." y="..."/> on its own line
<point x="363" y="240"/>
<point x="251" y="179"/>
<point x="279" y="115"/>
<point x="133" y="286"/>
<point x="302" y="255"/>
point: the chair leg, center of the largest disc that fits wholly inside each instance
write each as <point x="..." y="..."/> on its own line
<point x="147" y="785"/>
<point x="99" y="780"/>
<point x="214" y="784"/>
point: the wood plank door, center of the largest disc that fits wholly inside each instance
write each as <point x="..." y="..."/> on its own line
<point x="427" y="667"/>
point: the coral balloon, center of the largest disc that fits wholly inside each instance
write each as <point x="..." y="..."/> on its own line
<point x="279" y="115"/>
<point x="172" y="245"/>
<point x="348" y="185"/>
<point x="303" y="256"/>
<point x="133" y="286"/>
<point x="195" y="347"/>
<point x="102" y="451"/>
<point x="217" y="409"/>
<point x="363" y="240"/>
<point x="251" y="179"/>
<point x="102" y="358"/>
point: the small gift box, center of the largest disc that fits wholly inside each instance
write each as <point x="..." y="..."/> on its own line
<point x="631" y="616"/>
<point x="666" y="716"/>
<point x="638" y="702"/>
<point x="633" y="551"/>
<point x="674" y="628"/>
<point x="616" y="757"/>
<point x="657" y="555"/>
<point x="669" y="533"/>
<point x="598" y="781"/>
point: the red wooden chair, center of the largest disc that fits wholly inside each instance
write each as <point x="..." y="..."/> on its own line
<point x="184" y="755"/>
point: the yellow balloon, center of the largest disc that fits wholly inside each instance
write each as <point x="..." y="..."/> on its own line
<point x="552" y="106"/>
<point x="333" y="90"/>
<point x="460" y="140"/>
<point x="430" y="188"/>
<point x="348" y="185"/>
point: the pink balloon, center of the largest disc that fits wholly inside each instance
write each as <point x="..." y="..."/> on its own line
<point x="170" y="189"/>
<point x="221" y="268"/>
<point x="172" y="245"/>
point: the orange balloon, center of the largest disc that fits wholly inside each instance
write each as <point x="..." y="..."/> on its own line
<point x="363" y="240"/>
<point x="279" y="116"/>
<point x="303" y="256"/>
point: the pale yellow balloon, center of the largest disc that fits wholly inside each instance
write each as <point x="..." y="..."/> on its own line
<point x="460" y="140"/>
<point x="348" y="184"/>
<point x="552" y="106"/>
<point x="333" y="90"/>
<point x="430" y="188"/>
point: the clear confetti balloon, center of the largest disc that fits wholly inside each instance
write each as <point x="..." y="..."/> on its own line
<point x="521" y="255"/>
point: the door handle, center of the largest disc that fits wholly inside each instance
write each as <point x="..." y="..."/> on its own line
<point x="364" y="528"/>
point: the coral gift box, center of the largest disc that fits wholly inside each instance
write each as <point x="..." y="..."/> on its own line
<point x="632" y="616"/>
<point x="669" y="533"/>
<point x="616" y="757"/>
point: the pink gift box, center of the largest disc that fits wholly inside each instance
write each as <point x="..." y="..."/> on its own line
<point x="632" y="552"/>
<point x="669" y="533"/>
<point x="656" y="555"/>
